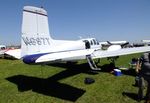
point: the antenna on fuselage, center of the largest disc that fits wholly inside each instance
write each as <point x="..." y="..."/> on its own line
<point x="42" y="3"/>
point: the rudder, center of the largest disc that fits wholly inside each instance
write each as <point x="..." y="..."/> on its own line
<point x="35" y="31"/>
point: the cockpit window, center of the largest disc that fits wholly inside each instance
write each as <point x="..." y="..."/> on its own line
<point x="97" y="42"/>
<point x="91" y="42"/>
<point x="94" y="42"/>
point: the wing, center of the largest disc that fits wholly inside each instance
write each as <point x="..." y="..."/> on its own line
<point x="65" y="56"/>
<point x="124" y="51"/>
<point x="81" y="54"/>
<point x="2" y="52"/>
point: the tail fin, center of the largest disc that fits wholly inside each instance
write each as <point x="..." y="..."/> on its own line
<point x="35" y="31"/>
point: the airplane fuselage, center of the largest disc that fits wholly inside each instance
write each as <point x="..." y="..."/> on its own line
<point x="61" y="46"/>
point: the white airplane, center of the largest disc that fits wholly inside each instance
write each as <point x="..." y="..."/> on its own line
<point x="37" y="46"/>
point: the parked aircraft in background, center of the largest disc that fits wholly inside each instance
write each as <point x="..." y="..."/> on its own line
<point x="37" y="46"/>
<point x="114" y="45"/>
<point x="2" y="49"/>
<point x="146" y="41"/>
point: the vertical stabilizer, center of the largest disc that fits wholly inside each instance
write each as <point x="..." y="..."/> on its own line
<point x="35" y="31"/>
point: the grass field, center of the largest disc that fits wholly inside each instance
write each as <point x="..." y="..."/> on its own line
<point x="61" y="83"/>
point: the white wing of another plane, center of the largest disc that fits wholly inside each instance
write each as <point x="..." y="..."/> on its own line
<point x="15" y="53"/>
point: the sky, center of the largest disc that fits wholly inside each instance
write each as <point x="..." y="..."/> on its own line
<point x="106" y="20"/>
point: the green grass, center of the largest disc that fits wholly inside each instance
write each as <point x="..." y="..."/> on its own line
<point x="21" y="83"/>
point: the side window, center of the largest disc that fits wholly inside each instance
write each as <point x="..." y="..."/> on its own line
<point x="97" y="42"/>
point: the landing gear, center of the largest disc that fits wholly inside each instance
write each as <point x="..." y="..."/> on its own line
<point x="92" y="63"/>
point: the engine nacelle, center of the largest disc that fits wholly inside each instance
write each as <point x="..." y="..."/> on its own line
<point x="114" y="48"/>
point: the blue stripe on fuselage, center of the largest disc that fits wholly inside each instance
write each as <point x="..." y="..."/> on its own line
<point x="30" y="59"/>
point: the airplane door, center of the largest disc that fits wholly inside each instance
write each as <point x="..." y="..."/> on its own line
<point x="87" y="44"/>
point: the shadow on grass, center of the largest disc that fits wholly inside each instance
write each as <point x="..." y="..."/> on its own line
<point x="47" y="87"/>
<point x="130" y="72"/>
<point x="109" y="68"/>
<point x="133" y="96"/>
<point x="50" y="86"/>
<point x="74" y="69"/>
